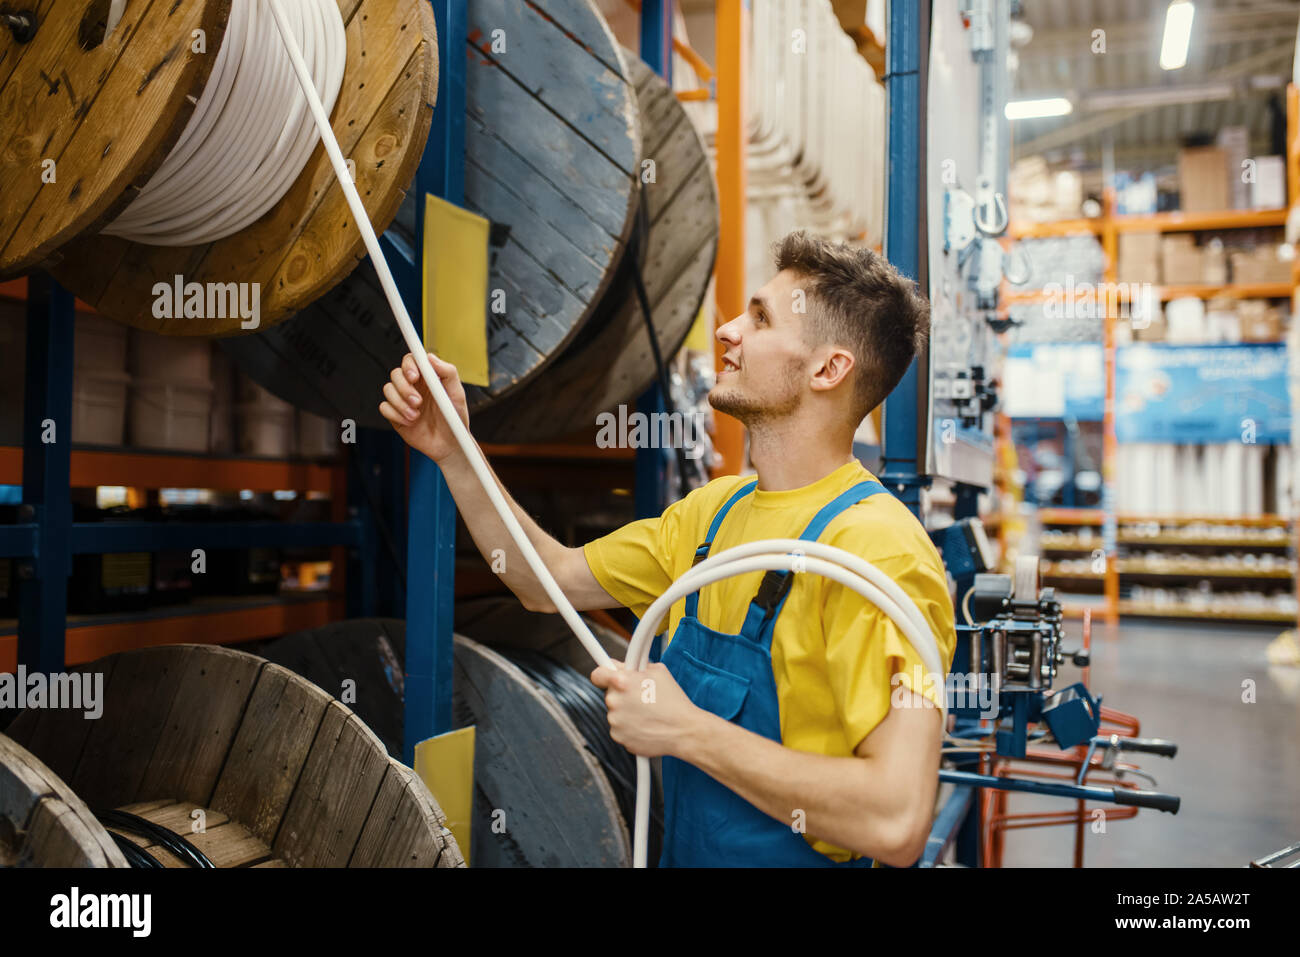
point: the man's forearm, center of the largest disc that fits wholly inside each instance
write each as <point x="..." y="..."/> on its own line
<point x="850" y="802"/>
<point x="489" y="531"/>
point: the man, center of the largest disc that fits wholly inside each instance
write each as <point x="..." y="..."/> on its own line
<point x="786" y="709"/>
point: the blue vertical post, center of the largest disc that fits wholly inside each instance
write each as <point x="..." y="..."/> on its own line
<point x="902" y="457"/>
<point x="47" y="475"/>
<point x="431" y="537"/>
<point x="651" y="473"/>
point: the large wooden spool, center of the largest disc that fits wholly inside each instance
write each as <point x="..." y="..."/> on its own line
<point x="531" y="763"/>
<point x="552" y="153"/>
<point x="612" y="362"/>
<point x="284" y="774"/>
<point x="122" y="126"/>
<point x="42" y="822"/>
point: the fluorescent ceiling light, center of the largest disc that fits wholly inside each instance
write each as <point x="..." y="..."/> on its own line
<point x="1036" y="109"/>
<point x="1178" y="34"/>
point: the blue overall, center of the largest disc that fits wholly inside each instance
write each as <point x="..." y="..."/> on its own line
<point x="705" y="823"/>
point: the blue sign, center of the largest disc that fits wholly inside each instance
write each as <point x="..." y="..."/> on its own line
<point x="1211" y="393"/>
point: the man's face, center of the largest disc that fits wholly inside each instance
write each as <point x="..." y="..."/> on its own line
<point x="765" y="363"/>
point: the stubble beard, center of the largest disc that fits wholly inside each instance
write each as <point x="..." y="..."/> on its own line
<point x="752" y="412"/>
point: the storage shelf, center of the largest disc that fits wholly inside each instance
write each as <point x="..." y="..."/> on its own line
<point x="216" y="621"/>
<point x="1160" y="611"/>
<point x="1155" y="222"/>
<point x="92" y="466"/>
<point x="1104" y="293"/>
<point x="1070" y="516"/>
<point x="1199" y="570"/>
<point x="1280" y="542"/>
<point x="1051" y="571"/>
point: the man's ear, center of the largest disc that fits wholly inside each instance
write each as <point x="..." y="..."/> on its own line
<point x="835" y="367"/>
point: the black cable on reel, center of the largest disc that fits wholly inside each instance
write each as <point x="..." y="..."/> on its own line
<point x="170" y="841"/>
<point x="584" y="704"/>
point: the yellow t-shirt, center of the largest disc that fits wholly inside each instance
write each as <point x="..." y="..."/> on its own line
<point x="834" y="654"/>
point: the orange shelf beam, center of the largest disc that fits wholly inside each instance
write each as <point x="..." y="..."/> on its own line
<point x="89" y="641"/>
<point x="91" y="467"/>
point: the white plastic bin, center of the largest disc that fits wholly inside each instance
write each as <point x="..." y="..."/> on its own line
<point x="265" y="430"/>
<point x="98" y="406"/>
<point x="170" y="415"/>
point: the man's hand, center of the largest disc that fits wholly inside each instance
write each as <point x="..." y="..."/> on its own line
<point x="649" y="713"/>
<point x="409" y="406"/>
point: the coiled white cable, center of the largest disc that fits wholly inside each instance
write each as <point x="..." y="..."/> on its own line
<point x="852" y="571"/>
<point x="251" y="132"/>
<point x="872" y="585"/>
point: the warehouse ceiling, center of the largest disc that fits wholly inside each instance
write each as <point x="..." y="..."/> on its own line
<point x="1240" y="59"/>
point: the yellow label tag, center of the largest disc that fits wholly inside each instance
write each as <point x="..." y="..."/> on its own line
<point x="446" y="766"/>
<point x="455" y="288"/>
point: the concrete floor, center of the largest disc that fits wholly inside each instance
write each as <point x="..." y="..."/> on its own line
<point x="1238" y="764"/>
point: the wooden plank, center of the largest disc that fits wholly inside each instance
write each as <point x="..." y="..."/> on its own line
<point x="611" y="362"/>
<point x="274" y="738"/>
<point x="231" y="845"/>
<point x="338" y="785"/>
<point x="406" y="827"/>
<point x="107" y="116"/>
<point x="539" y="56"/>
<point x="211" y="693"/>
<point x="137" y="703"/>
<point x="60" y="836"/>
<point x="42" y="822"/>
<point x="56" y="736"/>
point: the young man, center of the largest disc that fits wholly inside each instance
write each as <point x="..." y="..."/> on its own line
<point x="786" y="709"/>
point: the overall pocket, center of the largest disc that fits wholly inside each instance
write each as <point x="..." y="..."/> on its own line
<point x="720" y="692"/>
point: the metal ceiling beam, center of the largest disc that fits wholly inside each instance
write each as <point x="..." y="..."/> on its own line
<point x="1213" y="28"/>
<point x="1094" y="123"/>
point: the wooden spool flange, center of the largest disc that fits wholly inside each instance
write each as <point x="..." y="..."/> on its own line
<point x="285" y="774"/>
<point x="552" y="147"/>
<point x="308" y="241"/>
<point x="106" y="115"/>
<point x="42" y="822"/>
<point x="611" y="361"/>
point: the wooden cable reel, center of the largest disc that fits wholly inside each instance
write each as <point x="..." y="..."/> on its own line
<point x="612" y="362"/>
<point x="284" y="774"/>
<point x="552" y="154"/>
<point x="42" y="822"/>
<point x="531" y="762"/>
<point x="109" y="115"/>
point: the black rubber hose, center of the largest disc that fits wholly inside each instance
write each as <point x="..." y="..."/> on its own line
<point x="135" y="855"/>
<point x="170" y="841"/>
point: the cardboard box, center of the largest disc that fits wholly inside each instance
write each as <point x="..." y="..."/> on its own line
<point x="1214" y="263"/>
<point x="1260" y="321"/>
<point x="1262" y="264"/>
<point x="1235" y="143"/>
<point x="1139" y="258"/>
<point x="1268" y="191"/>
<point x="1203" y="179"/>
<point x="1180" y="260"/>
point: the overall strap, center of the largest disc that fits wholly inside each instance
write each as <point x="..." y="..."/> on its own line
<point x="775" y="587"/>
<point x="702" y="552"/>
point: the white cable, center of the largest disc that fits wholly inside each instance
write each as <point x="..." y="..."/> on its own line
<point x="922" y="639"/>
<point x="870" y="583"/>
<point x="250" y="134"/>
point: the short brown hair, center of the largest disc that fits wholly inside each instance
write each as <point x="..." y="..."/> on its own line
<point x="862" y="303"/>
